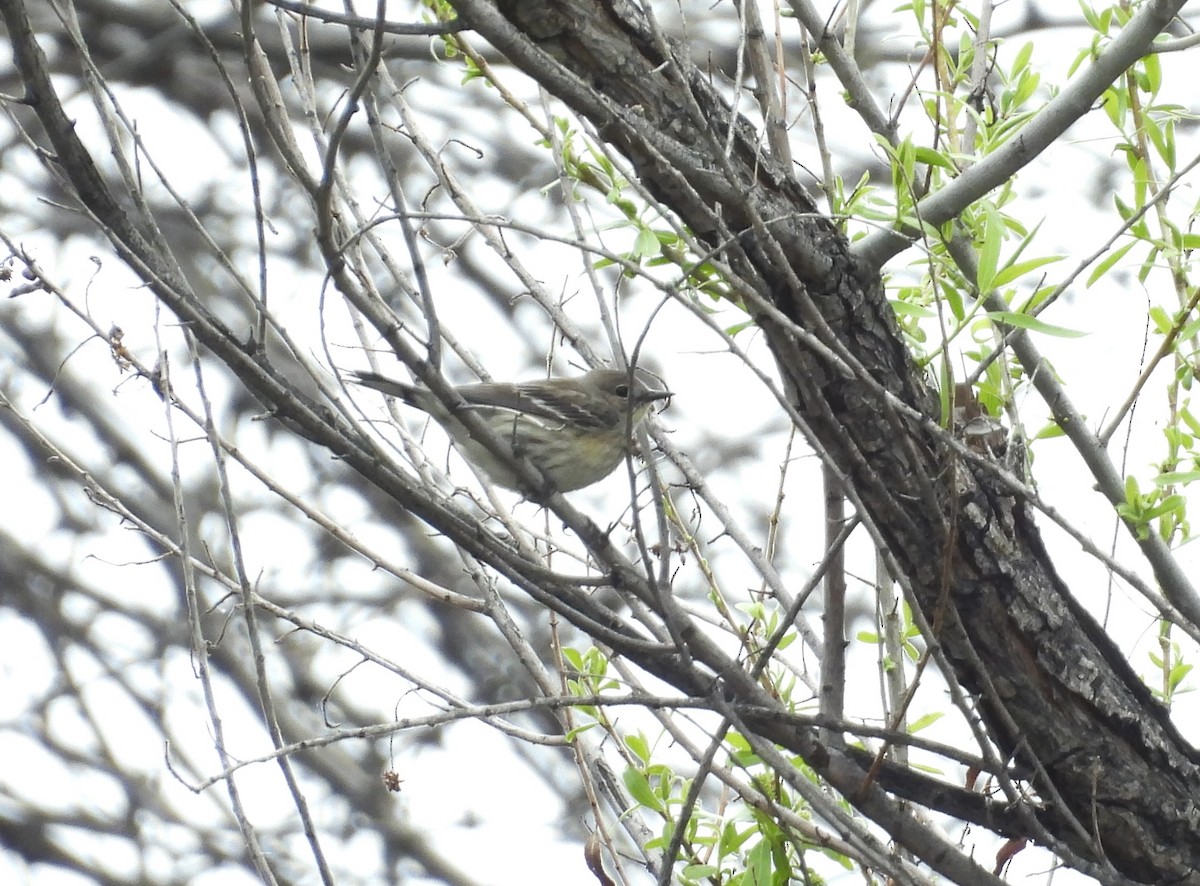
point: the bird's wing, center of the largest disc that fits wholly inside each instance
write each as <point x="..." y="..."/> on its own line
<point x="538" y="399"/>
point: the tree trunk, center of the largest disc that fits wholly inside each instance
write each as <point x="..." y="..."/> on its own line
<point x="1117" y="780"/>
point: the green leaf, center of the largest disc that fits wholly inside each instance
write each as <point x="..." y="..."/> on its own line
<point x="1111" y="259"/>
<point x="1168" y="505"/>
<point x="989" y="251"/>
<point x="908" y="309"/>
<point x="1163" y="323"/>
<point x="1114" y="106"/>
<point x="573" y="658"/>
<point x="928" y="720"/>
<point x="1163" y="140"/>
<point x="1033" y="324"/>
<point x="1190" y="330"/>
<point x="1021" y="59"/>
<point x="754" y="609"/>
<point x="638" y="746"/>
<point x="1141" y="179"/>
<point x="759" y="866"/>
<point x="646" y="245"/>
<point x="930" y="157"/>
<point x="732" y="839"/>
<point x="1149" y="264"/>
<point x="1190" y="420"/>
<point x="1020" y="269"/>
<point x="570" y="736"/>
<point x="1151" y="73"/>
<point x="1178" y="673"/>
<point x="1133" y="493"/>
<point x="639" y="788"/>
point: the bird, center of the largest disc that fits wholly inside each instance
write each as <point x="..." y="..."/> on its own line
<point x="574" y="430"/>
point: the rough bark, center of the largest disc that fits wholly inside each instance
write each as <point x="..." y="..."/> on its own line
<point x="1118" y="782"/>
<point x="1055" y="693"/>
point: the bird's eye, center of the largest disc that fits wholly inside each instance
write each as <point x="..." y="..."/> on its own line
<point x="621" y="391"/>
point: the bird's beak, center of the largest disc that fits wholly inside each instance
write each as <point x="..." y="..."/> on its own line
<point x="651" y="396"/>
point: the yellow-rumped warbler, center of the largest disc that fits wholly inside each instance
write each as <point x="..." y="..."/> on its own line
<point x="574" y="430"/>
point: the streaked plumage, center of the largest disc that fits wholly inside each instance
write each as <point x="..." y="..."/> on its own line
<point x="574" y="430"/>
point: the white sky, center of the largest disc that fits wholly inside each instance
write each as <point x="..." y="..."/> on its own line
<point x="490" y="833"/>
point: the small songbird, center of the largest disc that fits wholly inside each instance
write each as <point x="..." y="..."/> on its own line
<point x="574" y="430"/>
